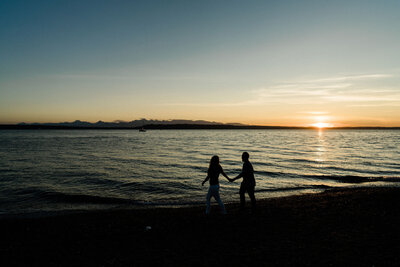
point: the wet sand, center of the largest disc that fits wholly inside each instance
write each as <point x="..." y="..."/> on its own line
<point x="334" y="228"/>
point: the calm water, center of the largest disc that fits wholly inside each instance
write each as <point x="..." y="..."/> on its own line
<point x="53" y="170"/>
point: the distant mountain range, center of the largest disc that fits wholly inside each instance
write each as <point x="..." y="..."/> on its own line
<point x="130" y="124"/>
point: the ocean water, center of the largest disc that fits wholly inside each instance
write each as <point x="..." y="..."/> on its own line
<point x="61" y="170"/>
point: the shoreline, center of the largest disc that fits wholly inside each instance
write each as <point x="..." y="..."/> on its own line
<point x="131" y="207"/>
<point x="337" y="227"/>
<point x="102" y="208"/>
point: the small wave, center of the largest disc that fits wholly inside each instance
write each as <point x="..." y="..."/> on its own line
<point x="339" y="178"/>
<point x="265" y="164"/>
<point x="78" y="173"/>
<point x="34" y="194"/>
<point x="182" y="166"/>
<point x="159" y="187"/>
<point x="297" y="188"/>
<point x="82" y="198"/>
<point x="275" y="174"/>
<point x="307" y="161"/>
<point x="354" y="179"/>
<point x="362" y="171"/>
<point x="391" y="165"/>
<point x="7" y="170"/>
<point x="390" y="179"/>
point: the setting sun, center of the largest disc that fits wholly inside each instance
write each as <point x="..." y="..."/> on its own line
<point x="322" y="125"/>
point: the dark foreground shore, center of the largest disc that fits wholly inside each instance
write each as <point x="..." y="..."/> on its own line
<point x="340" y="228"/>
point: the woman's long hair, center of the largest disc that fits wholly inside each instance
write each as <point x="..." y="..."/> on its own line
<point x="214" y="163"/>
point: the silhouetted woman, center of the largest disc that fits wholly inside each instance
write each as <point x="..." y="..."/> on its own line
<point x="213" y="191"/>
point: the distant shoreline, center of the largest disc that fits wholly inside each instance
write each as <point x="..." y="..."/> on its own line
<point x="180" y="127"/>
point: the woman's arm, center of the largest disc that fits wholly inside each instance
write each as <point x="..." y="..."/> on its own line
<point x="224" y="174"/>
<point x="205" y="180"/>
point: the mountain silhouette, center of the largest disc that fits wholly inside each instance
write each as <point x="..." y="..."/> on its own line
<point x="129" y="124"/>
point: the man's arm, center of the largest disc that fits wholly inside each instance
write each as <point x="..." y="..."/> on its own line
<point x="245" y="171"/>
<point x="238" y="177"/>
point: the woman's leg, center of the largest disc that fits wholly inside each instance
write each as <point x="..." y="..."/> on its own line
<point x="208" y="198"/>
<point x="218" y="199"/>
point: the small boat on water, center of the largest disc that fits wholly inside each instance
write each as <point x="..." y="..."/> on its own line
<point x="142" y="130"/>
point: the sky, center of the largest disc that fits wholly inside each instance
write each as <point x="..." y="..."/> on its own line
<point x="288" y="63"/>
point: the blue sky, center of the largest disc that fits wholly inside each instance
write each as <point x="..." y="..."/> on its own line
<point x="258" y="62"/>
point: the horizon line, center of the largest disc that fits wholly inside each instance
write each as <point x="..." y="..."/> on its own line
<point x="183" y="126"/>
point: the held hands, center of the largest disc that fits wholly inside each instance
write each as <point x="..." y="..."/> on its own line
<point x="229" y="179"/>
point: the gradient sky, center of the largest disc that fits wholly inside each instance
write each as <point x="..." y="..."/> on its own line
<point x="256" y="62"/>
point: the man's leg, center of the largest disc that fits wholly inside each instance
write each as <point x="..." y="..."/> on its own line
<point x="250" y="191"/>
<point x="242" y="196"/>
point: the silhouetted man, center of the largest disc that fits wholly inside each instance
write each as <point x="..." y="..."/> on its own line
<point x="248" y="183"/>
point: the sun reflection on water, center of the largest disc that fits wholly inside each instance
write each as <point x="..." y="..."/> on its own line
<point x="320" y="147"/>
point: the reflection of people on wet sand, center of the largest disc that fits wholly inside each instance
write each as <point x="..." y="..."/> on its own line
<point x="248" y="183"/>
<point x="213" y="191"/>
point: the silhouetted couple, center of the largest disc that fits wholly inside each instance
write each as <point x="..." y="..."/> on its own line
<point x="247" y="184"/>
